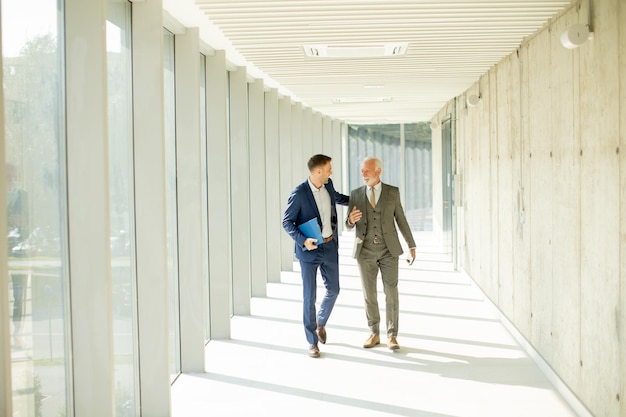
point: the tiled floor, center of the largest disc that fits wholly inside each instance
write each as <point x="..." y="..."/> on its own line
<point x="456" y="358"/>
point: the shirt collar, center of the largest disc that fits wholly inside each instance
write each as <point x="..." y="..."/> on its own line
<point x="313" y="187"/>
<point x="376" y="187"/>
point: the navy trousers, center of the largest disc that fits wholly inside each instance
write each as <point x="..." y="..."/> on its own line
<point x="327" y="261"/>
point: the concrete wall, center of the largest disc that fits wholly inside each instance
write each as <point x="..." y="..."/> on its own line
<point x="542" y="219"/>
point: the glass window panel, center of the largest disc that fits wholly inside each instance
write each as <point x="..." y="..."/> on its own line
<point x="418" y="151"/>
<point x="121" y="191"/>
<point x="170" y="199"/>
<point x="37" y="239"/>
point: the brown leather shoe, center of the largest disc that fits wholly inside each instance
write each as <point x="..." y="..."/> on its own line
<point x="372" y="341"/>
<point x="321" y="334"/>
<point x="393" y="343"/>
<point x="314" y="351"/>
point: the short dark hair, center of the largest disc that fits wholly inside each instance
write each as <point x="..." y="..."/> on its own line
<point x="318" y="161"/>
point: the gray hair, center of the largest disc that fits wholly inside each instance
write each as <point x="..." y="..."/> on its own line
<point x="377" y="162"/>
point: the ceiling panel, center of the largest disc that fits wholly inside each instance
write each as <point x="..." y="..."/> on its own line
<point x="451" y="43"/>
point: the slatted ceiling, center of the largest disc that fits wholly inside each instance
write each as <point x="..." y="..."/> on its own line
<point x="451" y="44"/>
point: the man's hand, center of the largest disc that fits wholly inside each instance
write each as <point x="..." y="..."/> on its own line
<point x="355" y="215"/>
<point x="309" y="243"/>
<point x="412" y="259"/>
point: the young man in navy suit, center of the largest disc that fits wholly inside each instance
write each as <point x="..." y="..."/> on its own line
<point x="316" y="198"/>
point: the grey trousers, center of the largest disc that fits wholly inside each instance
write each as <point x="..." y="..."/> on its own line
<point x="372" y="259"/>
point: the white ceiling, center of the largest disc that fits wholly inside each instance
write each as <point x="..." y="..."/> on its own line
<point x="451" y="43"/>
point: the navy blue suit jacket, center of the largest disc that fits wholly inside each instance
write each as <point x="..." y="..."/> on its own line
<point x="301" y="208"/>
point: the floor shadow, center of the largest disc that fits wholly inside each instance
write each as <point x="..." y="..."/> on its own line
<point x="490" y="370"/>
<point x="321" y="396"/>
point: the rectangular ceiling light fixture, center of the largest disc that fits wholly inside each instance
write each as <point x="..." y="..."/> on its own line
<point x="356" y="50"/>
<point x="346" y="100"/>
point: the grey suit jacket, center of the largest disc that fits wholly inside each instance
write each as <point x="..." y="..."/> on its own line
<point x="391" y="213"/>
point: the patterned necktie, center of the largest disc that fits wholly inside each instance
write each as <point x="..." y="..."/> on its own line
<point x="372" y="197"/>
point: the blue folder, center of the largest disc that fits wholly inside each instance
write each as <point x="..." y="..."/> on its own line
<point x="312" y="229"/>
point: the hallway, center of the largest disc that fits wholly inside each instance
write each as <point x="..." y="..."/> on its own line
<point x="456" y="358"/>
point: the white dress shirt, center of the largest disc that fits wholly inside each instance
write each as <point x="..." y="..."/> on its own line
<point x="322" y="199"/>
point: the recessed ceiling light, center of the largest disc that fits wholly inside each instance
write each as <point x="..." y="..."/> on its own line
<point x="345" y="100"/>
<point x="356" y="50"/>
